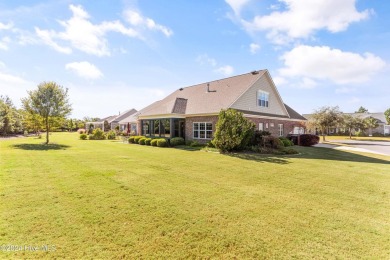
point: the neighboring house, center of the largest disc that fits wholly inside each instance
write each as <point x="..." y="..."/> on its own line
<point x="192" y="112"/>
<point x="100" y="123"/>
<point x="383" y="128"/>
<point x="116" y="121"/>
<point x="129" y="122"/>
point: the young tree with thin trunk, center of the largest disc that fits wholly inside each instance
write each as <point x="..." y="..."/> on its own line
<point x="371" y="123"/>
<point x="350" y="123"/>
<point x="324" y="118"/>
<point x="387" y="115"/>
<point x="50" y="101"/>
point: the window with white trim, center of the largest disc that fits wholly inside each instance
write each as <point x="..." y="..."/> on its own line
<point x="261" y="126"/>
<point x="262" y="99"/>
<point x="281" y="132"/>
<point x="202" y="130"/>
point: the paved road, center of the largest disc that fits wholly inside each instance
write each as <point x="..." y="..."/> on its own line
<point x="375" y="146"/>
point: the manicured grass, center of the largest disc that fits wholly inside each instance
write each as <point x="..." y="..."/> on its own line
<point x="107" y="199"/>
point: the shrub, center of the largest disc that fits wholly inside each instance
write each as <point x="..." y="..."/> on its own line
<point x="195" y="144"/>
<point x="142" y="141"/>
<point x="257" y="137"/>
<point x="137" y="138"/>
<point x="154" y="142"/>
<point x="148" y="141"/>
<point x="233" y="131"/>
<point x="162" y="142"/>
<point x="272" y="142"/>
<point x="83" y="136"/>
<point x="210" y="144"/>
<point x="378" y="135"/>
<point x="91" y="137"/>
<point x="81" y="131"/>
<point x="188" y="142"/>
<point x="98" y="134"/>
<point x="25" y="133"/>
<point x="111" y="135"/>
<point x="131" y="140"/>
<point x="290" y="151"/>
<point x="286" y="142"/>
<point x="360" y="134"/>
<point x="177" y="141"/>
<point x="309" y="140"/>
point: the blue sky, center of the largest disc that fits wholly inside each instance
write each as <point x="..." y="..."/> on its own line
<point x="116" y="55"/>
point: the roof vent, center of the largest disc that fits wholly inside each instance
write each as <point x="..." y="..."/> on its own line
<point x="181" y="89"/>
<point x="208" y="89"/>
<point x="255" y="72"/>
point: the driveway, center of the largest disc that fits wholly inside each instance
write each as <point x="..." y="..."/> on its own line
<point x="378" y="147"/>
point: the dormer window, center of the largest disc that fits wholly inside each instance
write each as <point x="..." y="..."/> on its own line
<point x="262" y="99"/>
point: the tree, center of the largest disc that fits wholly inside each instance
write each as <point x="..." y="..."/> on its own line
<point x="31" y="122"/>
<point x="351" y="123"/>
<point x="371" y="123"/>
<point x="362" y="110"/>
<point x="10" y="119"/>
<point x="233" y="131"/>
<point x="324" y="118"/>
<point x="50" y="101"/>
<point x="387" y="115"/>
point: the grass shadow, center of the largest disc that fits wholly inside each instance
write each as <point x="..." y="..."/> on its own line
<point x="259" y="157"/>
<point x="40" y="147"/>
<point x="330" y="154"/>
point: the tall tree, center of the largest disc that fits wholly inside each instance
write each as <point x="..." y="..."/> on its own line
<point x="324" y="118"/>
<point x="362" y="110"/>
<point x="10" y="119"/>
<point x="387" y="115"/>
<point x="351" y="123"/>
<point x="50" y="101"/>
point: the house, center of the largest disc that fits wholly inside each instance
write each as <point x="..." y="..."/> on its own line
<point x="111" y="121"/>
<point x="129" y="122"/>
<point x="192" y="112"/>
<point x="116" y="121"/>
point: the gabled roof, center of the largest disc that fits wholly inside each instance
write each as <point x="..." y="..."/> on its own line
<point x="205" y="98"/>
<point x="124" y="115"/>
<point x="211" y="97"/>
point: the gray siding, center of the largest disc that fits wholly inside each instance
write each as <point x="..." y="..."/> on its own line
<point x="248" y="101"/>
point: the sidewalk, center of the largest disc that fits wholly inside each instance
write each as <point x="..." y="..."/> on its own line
<point x="346" y="148"/>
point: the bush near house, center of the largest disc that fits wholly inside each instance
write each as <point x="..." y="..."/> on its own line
<point x="83" y="136"/>
<point x="97" y="134"/>
<point x="111" y="135"/>
<point x="177" y="141"/>
<point x="148" y="141"/>
<point x="131" y="139"/>
<point x="153" y="142"/>
<point x="162" y="142"/>
<point x="137" y="138"/>
<point x="142" y="141"/>
<point x="286" y="142"/>
<point x="309" y="140"/>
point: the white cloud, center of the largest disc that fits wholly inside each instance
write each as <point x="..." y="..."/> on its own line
<point x="7" y="26"/>
<point x="254" y="48"/>
<point x="307" y="83"/>
<point x="344" y="90"/>
<point x="279" y="80"/>
<point x="324" y="63"/>
<point x="302" y="18"/>
<point x="237" y="5"/>
<point x="4" y="43"/>
<point x="84" y="69"/>
<point x="205" y="59"/>
<point x="80" y="33"/>
<point x="226" y="70"/>
<point x="137" y="20"/>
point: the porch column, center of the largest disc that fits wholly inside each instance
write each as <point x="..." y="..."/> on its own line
<point x="171" y="127"/>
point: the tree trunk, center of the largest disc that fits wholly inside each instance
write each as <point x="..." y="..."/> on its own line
<point x="47" y="130"/>
<point x="350" y="133"/>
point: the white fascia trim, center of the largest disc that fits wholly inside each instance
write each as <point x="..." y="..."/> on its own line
<point x="275" y="118"/>
<point x="161" y="116"/>
<point x="199" y="115"/>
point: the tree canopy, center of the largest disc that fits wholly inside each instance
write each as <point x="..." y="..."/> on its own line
<point x="387" y="115"/>
<point x="362" y="110"/>
<point x="50" y="101"/>
<point x="326" y="117"/>
<point x="10" y="118"/>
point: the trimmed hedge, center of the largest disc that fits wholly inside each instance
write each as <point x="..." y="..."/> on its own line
<point x="142" y="141"/>
<point x="111" y="135"/>
<point x="131" y="140"/>
<point x="83" y="136"/>
<point x="137" y="138"/>
<point x="148" y="141"/>
<point x="162" y="142"/>
<point x="286" y="142"/>
<point x="309" y="140"/>
<point x="177" y="141"/>
<point x="154" y="142"/>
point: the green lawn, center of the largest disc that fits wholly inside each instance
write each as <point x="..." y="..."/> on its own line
<point x="367" y="138"/>
<point x="107" y="199"/>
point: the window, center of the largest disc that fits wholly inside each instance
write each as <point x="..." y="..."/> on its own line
<point x="281" y="132"/>
<point x="145" y="128"/>
<point x="266" y="125"/>
<point x="261" y="126"/>
<point x="203" y="130"/>
<point x="262" y="99"/>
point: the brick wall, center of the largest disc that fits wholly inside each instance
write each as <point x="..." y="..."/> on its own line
<point x="200" y="119"/>
<point x="288" y="126"/>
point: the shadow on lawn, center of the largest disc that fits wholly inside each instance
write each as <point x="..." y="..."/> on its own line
<point x="259" y="157"/>
<point x="335" y="155"/>
<point x="40" y="147"/>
